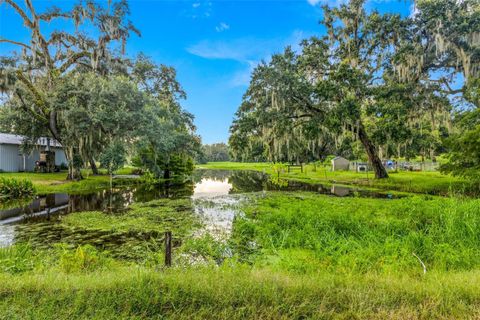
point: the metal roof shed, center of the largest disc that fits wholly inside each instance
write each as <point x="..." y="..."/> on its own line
<point x="12" y="158"/>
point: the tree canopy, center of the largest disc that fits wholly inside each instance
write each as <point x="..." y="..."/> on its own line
<point x="375" y="84"/>
<point x="83" y="92"/>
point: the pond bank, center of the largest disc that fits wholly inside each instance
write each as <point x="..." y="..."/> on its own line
<point x="46" y="183"/>
<point x="433" y="183"/>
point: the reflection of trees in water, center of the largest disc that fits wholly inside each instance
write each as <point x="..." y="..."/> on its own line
<point x="251" y="181"/>
<point x="119" y="199"/>
<point x="248" y="181"/>
<point x="115" y="200"/>
<point x="215" y="175"/>
<point x="164" y="190"/>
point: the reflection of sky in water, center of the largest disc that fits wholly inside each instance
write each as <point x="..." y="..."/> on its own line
<point x="211" y="188"/>
<point x="214" y="205"/>
<point x="217" y="214"/>
<point x="7" y="235"/>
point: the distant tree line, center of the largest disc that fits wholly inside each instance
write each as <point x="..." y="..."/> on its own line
<point x="375" y="85"/>
<point x="215" y="152"/>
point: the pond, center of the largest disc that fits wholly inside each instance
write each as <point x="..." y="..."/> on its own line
<point x="215" y="195"/>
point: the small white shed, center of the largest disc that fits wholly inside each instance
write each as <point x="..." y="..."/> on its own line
<point x="340" y="164"/>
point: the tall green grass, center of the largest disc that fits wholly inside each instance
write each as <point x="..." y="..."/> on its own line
<point x="17" y="259"/>
<point x="236" y="292"/>
<point x="22" y="258"/>
<point x="302" y="232"/>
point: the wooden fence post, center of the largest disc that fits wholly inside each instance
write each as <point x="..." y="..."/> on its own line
<point x="168" y="248"/>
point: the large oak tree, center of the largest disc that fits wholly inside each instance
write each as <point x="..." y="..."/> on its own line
<point x="33" y="77"/>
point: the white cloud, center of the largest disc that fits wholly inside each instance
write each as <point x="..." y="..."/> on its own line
<point x="222" y="27"/>
<point x="199" y="9"/>
<point x="243" y="76"/>
<point x="238" y="49"/>
<point x="413" y="10"/>
<point x="247" y="51"/>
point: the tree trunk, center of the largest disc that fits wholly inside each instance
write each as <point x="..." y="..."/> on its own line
<point x="74" y="172"/>
<point x="380" y="171"/>
<point x="93" y="166"/>
<point x="166" y="174"/>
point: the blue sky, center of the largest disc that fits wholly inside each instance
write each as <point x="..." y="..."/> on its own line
<point x="213" y="44"/>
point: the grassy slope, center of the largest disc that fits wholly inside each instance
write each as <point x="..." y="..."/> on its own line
<point x="418" y="182"/>
<point x="314" y="257"/>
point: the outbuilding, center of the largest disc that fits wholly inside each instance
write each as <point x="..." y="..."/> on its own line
<point x="12" y="159"/>
<point x="340" y="164"/>
<point x="360" y="166"/>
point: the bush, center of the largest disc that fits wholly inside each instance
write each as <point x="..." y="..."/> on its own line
<point x="63" y="166"/>
<point x="12" y="188"/>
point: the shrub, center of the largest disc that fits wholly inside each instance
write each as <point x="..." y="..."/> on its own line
<point x="12" y="188"/>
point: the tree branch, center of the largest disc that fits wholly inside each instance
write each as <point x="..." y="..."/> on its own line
<point x="74" y="58"/>
<point x="16" y="43"/>
<point x="22" y="13"/>
<point x="35" y="114"/>
<point x="40" y="101"/>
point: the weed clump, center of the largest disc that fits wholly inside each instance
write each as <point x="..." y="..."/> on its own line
<point x="13" y="188"/>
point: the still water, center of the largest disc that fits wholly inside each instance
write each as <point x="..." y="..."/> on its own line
<point x="215" y="195"/>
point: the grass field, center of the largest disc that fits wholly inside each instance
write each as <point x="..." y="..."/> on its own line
<point x="433" y="183"/>
<point x="304" y="232"/>
<point x="292" y="255"/>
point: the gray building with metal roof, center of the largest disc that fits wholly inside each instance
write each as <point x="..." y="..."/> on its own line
<point x="12" y="159"/>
